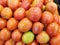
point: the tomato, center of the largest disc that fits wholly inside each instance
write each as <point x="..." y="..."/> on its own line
<point x="47" y="17"/>
<point x="47" y="1"/>
<point x="10" y="42"/>
<point x="59" y="20"/>
<point x="43" y="37"/>
<point x="16" y="35"/>
<point x="20" y="43"/>
<point x="1" y="42"/>
<point x="55" y="40"/>
<point x="3" y="2"/>
<point x="34" y="14"/>
<point x="25" y="25"/>
<point x="13" y="4"/>
<point x="19" y="13"/>
<point x="52" y="29"/>
<point x="6" y="13"/>
<point x="37" y="27"/>
<point x="51" y="6"/>
<point x="2" y="23"/>
<point x="33" y="43"/>
<point x="5" y="34"/>
<point x="12" y="24"/>
<point x="37" y="3"/>
<point x="1" y="8"/>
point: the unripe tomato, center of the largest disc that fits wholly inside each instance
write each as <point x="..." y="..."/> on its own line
<point x="5" y="34"/>
<point x="25" y="25"/>
<point x="37" y="27"/>
<point x="12" y="24"/>
<point x="6" y="13"/>
<point x="52" y="29"/>
<point x="16" y="35"/>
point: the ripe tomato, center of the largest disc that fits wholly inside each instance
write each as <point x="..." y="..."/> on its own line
<point x="59" y="20"/>
<point x="16" y="35"/>
<point x="52" y="29"/>
<point x="37" y="27"/>
<point x="5" y="34"/>
<point x="1" y="42"/>
<point x="1" y="8"/>
<point x="34" y="14"/>
<point x="25" y="25"/>
<point x="6" y="13"/>
<point x="47" y="17"/>
<point x="12" y="24"/>
<point x="19" y="13"/>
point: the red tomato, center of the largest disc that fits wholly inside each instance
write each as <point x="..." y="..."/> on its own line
<point x="3" y="2"/>
<point x="34" y="14"/>
<point x="6" y="13"/>
<point x="16" y="35"/>
<point x="19" y="13"/>
<point x="20" y="43"/>
<point x="2" y="23"/>
<point x="52" y="29"/>
<point x="25" y="25"/>
<point x="1" y="42"/>
<point x="13" y="4"/>
<point x="33" y="43"/>
<point x="37" y="27"/>
<point x="10" y="42"/>
<point x="12" y="24"/>
<point x="47" y="17"/>
<point x="55" y="40"/>
<point x="5" y="34"/>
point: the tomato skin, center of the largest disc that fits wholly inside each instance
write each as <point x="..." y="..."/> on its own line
<point x="12" y="24"/>
<point x="19" y="13"/>
<point x="25" y="25"/>
<point x="16" y="35"/>
<point x="59" y="20"/>
<point x="3" y="2"/>
<point x="34" y="14"/>
<point x="52" y="29"/>
<point x="37" y="27"/>
<point x="20" y="43"/>
<point x="1" y="8"/>
<point x="1" y="42"/>
<point x="33" y="43"/>
<point x="13" y="4"/>
<point x="6" y="13"/>
<point x="10" y="42"/>
<point x="55" y="40"/>
<point x="5" y="34"/>
<point x="47" y="17"/>
<point x="3" y="23"/>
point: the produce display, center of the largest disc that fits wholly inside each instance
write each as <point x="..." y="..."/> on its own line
<point x="29" y="22"/>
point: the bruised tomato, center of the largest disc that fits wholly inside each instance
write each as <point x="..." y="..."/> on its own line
<point x="1" y="42"/>
<point x="3" y="2"/>
<point x="25" y="4"/>
<point x="19" y="13"/>
<point x="33" y="43"/>
<point x="13" y="4"/>
<point x="2" y="23"/>
<point x="1" y="8"/>
<point x="34" y="14"/>
<point x="37" y="27"/>
<point x="6" y="13"/>
<point x="12" y="24"/>
<point x="43" y="37"/>
<point x="52" y="29"/>
<point x="20" y="43"/>
<point x="37" y="3"/>
<point x="47" y="1"/>
<point x="55" y="40"/>
<point x="16" y="35"/>
<point x="25" y="25"/>
<point x="47" y="17"/>
<point x="10" y="42"/>
<point x="5" y="34"/>
<point x="51" y="6"/>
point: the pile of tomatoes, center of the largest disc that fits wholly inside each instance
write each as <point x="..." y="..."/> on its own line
<point x="29" y="22"/>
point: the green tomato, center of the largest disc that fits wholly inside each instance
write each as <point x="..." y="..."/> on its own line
<point x="28" y="37"/>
